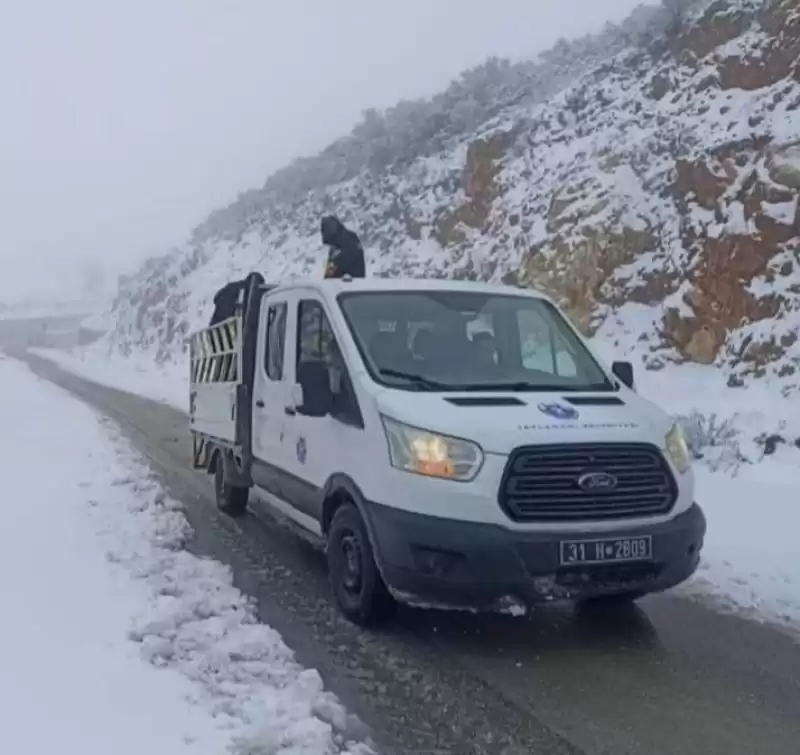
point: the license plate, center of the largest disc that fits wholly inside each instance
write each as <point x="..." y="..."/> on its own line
<point x="608" y="551"/>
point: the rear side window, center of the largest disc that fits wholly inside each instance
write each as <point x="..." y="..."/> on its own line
<point x="276" y="340"/>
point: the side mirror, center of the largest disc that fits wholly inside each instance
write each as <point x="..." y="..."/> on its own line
<point x="314" y="384"/>
<point x="624" y="371"/>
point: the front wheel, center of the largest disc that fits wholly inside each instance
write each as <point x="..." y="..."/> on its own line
<point x="231" y="500"/>
<point x="356" y="582"/>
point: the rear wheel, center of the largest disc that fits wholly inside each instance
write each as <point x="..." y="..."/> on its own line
<point x="231" y="500"/>
<point x="356" y="582"/>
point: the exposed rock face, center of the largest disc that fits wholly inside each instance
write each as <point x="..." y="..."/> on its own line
<point x="575" y="274"/>
<point x="663" y="187"/>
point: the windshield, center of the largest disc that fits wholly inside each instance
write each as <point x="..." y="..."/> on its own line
<point x="457" y="341"/>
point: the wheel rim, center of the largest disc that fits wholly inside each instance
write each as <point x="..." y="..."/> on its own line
<point x="352" y="564"/>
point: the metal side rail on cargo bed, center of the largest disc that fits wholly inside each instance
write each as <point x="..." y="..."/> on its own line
<point x="221" y="364"/>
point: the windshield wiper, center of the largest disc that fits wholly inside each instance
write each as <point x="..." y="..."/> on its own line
<point x="419" y="380"/>
<point x="517" y="386"/>
<point x="522" y="386"/>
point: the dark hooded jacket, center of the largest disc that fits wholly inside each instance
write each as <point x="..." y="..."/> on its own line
<point x="346" y="255"/>
<point x="226" y="298"/>
<point x="225" y="301"/>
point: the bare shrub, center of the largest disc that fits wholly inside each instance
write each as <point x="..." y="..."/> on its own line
<point x="713" y="440"/>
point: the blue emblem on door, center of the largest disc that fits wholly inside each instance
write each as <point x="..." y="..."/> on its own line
<point x="557" y="411"/>
<point x="301" y="449"/>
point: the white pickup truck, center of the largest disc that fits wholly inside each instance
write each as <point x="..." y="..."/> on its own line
<point x="449" y="444"/>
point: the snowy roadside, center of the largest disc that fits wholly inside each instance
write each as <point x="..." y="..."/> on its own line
<point x="735" y="421"/>
<point x="751" y="500"/>
<point x="750" y="563"/>
<point x="168" y="384"/>
<point x="127" y="641"/>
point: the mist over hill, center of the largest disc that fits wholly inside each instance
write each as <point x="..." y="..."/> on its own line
<point x="646" y="177"/>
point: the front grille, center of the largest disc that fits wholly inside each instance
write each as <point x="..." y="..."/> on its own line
<point x="540" y="483"/>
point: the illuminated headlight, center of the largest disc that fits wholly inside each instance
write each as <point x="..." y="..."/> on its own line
<point x="431" y="454"/>
<point x="677" y="448"/>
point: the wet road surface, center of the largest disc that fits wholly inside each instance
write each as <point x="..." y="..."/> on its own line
<point x="668" y="677"/>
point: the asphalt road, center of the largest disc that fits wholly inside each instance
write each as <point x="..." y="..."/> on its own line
<point x="669" y="677"/>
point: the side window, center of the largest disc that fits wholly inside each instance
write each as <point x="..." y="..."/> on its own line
<point x="542" y="348"/>
<point x="316" y="341"/>
<point x="314" y="335"/>
<point x="276" y="341"/>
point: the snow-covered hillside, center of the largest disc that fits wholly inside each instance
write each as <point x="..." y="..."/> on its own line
<point x="656" y="197"/>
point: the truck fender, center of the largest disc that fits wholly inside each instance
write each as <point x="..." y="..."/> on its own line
<point x="341" y="486"/>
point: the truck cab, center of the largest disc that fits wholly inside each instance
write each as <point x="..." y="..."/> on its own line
<point x="448" y="444"/>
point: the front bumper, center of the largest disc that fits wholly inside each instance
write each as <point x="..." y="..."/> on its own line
<point x="431" y="561"/>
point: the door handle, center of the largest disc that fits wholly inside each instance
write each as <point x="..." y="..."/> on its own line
<point x="260" y="404"/>
<point x="290" y="410"/>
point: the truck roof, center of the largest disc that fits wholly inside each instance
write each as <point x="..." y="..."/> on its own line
<point x="335" y="286"/>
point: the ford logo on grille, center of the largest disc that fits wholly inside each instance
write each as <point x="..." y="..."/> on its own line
<point x="597" y="482"/>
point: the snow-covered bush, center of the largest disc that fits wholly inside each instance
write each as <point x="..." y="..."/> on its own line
<point x="716" y="441"/>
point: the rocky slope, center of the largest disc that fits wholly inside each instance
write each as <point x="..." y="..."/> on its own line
<point x="652" y="187"/>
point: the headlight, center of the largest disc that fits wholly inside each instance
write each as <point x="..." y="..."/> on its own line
<point x="431" y="454"/>
<point x="677" y="448"/>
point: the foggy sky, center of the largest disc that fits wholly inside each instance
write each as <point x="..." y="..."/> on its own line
<point x="122" y="123"/>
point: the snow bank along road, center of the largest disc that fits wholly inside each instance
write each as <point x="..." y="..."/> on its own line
<point x="112" y="631"/>
<point x="670" y="677"/>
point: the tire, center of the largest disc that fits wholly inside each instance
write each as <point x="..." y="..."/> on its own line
<point x="230" y="500"/>
<point x="355" y="579"/>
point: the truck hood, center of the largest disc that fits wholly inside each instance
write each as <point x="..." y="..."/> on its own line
<point x="499" y="422"/>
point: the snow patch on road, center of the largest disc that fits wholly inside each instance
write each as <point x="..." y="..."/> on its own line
<point x="129" y="642"/>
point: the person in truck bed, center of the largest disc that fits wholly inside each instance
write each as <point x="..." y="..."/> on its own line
<point x="226" y="297"/>
<point x="346" y="255"/>
<point x="225" y="301"/>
